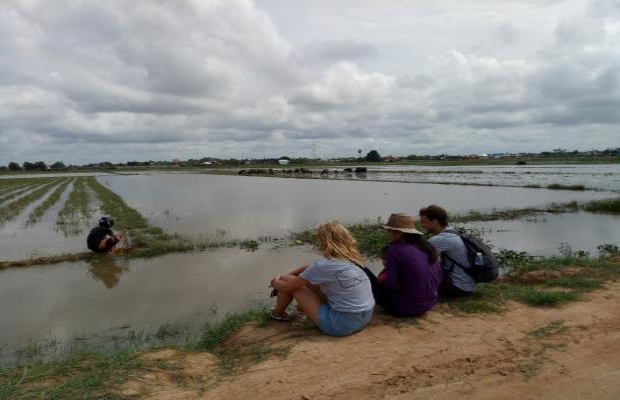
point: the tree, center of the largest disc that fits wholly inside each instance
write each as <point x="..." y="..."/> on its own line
<point x="28" y="166"/>
<point x="13" y="166"/>
<point x="58" y="165"/>
<point x="40" y="165"/>
<point x="373" y="156"/>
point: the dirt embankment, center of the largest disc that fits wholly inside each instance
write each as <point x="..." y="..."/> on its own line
<point x="572" y="352"/>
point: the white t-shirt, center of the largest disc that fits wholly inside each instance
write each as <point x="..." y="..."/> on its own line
<point x="345" y="285"/>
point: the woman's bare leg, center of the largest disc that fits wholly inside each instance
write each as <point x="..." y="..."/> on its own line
<point x="309" y="303"/>
<point x="319" y="293"/>
<point x="282" y="301"/>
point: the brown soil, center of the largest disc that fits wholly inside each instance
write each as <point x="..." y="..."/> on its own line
<point x="572" y="352"/>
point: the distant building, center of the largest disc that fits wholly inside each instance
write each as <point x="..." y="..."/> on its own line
<point x="390" y="158"/>
<point x="283" y="161"/>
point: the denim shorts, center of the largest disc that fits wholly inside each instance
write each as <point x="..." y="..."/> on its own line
<point x="338" y="323"/>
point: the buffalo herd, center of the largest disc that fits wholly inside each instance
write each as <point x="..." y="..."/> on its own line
<point x="305" y="172"/>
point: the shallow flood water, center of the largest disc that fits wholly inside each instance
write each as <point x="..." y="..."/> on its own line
<point x="112" y="295"/>
<point x="548" y="234"/>
<point x="79" y="302"/>
<point x="205" y="205"/>
<point x="599" y="177"/>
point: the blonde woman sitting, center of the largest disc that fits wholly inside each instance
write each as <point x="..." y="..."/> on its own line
<point x="334" y="291"/>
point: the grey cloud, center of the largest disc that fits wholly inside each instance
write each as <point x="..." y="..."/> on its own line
<point x="179" y="78"/>
<point x="331" y="51"/>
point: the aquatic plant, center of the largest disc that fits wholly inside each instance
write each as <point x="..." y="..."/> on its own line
<point x="557" y="186"/>
<point x="49" y="202"/>
<point x="609" y="206"/>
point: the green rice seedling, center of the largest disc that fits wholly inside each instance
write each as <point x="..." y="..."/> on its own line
<point x="75" y="213"/>
<point x="14" y="208"/>
<point x="4" y="190"/>
<point x="21" y="190"/>
<point x="49" y="202"/>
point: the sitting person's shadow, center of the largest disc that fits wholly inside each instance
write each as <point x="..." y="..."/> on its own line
<point x="107" y="270"/>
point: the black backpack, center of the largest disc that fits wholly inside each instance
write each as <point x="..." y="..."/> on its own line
<point x="489" y="270"/>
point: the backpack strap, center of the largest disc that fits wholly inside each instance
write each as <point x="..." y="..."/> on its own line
<point x="454" y="262"/>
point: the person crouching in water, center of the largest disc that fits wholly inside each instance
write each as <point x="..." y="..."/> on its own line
<point x="102" y="239"/>
<point x="408" y="285"/>
<point x="334" y="291"/>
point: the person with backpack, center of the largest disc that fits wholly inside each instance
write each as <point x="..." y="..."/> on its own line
<point x="102" y="239"/>
<point x="453" y="252"/>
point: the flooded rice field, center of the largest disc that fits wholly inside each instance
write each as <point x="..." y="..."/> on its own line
<point x="87" y="303"/>
<point x="209" y="205"/>
<point x="594" y="177"/>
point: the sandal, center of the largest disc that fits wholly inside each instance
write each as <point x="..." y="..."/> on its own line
<point x="282" y="317"/>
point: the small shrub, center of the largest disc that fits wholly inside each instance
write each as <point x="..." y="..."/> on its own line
<point x="557" y="186"/>
<point x="608" y="250"/>
<point x="611" y="206"/>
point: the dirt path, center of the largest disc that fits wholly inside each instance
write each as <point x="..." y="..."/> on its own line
<point x="572" y="352"/>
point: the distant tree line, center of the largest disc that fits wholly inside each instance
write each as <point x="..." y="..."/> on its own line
<point x="371" y="156"/>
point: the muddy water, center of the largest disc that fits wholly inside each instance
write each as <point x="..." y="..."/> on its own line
<point x="600" y="177"/>
<point x="71" y="303"/>
<point x="88" y="302"/>
<point x="20" y="240"/>
<point x="231" y="207"/>
<point x="205" y="205"/>
<point x="545" y="235"/>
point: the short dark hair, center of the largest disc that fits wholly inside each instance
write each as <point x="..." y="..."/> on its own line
<point x="434" y="212"/>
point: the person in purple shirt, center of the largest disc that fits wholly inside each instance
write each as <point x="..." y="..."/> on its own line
<point x="408" y="285"/>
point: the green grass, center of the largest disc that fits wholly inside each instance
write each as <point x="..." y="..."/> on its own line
<point x="609" y="206"/>
<point x="84" y="376"/>
<point x="216" y="333"/>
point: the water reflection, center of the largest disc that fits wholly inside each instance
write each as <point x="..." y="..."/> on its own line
<point x="242" y="207"/>
<point x="108" y="269"/>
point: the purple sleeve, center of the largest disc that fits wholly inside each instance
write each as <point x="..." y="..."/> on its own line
<point x="391" y="269"/>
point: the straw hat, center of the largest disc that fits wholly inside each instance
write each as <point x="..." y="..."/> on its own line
<point x="402" y="222"/>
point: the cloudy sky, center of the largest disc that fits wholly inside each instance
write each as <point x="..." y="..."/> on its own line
<point x="89" y="80"/>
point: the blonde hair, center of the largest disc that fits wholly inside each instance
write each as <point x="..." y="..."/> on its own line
<point x="337" y="243"/>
